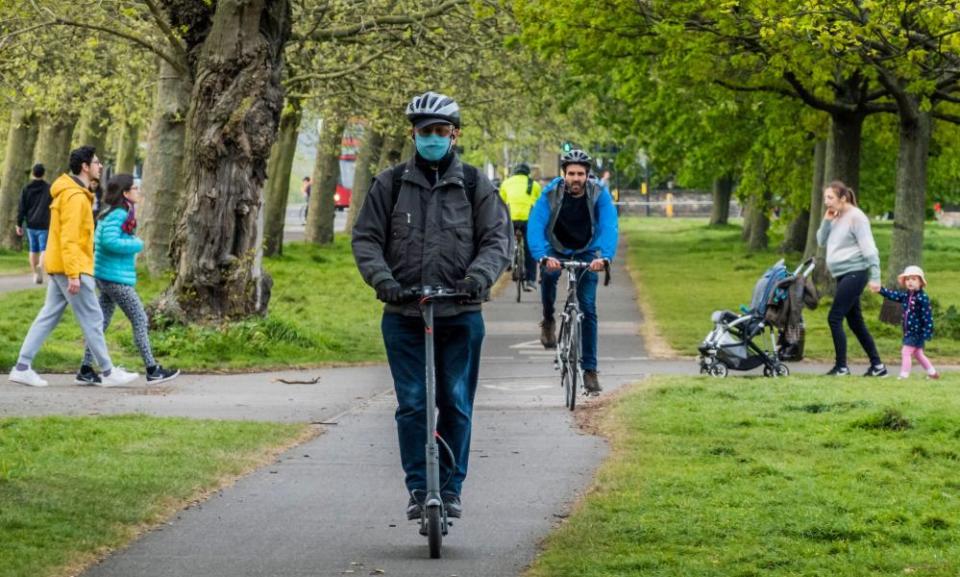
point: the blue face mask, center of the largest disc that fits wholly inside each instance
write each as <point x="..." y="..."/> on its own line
<point x="432" y="147"/>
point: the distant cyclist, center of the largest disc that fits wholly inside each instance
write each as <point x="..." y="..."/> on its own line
<point x="521" y="192"/>
<point x="433" y="220"/>
<point x="574" y="219"/>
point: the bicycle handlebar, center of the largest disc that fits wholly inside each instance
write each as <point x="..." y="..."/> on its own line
<point x="574" y="265"/>
<point x="430" y="293"/>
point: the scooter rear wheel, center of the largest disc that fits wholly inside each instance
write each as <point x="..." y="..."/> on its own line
<point x="434" y="531"/>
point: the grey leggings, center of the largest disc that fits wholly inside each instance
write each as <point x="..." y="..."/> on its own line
<point x="113" y="295"/>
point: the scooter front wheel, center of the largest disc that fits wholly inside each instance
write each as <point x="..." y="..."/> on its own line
<point x="434" y="531"/>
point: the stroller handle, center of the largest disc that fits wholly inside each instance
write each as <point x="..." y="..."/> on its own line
<point x="806" y="267"/>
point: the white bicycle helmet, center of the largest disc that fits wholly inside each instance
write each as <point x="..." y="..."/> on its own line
<point x="431" y="107"/>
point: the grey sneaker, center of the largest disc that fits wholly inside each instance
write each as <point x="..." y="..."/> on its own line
<point x="157" y="374"/>
<point x="415" y="504"/>
<point x="876" y="371"/>
<point x="591" y="383"/>
<point x="452" y="505"/>
<point x="548" y="333"/>
<point x="838" y="372"/>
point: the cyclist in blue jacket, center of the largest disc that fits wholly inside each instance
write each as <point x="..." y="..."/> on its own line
<point x="574" y="219"/>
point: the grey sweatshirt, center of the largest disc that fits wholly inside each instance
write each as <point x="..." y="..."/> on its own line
<point x="850" y="244"/>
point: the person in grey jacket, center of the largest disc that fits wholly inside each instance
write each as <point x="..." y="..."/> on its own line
<point x="853" y="260"/>
<point x="433" y="221"/>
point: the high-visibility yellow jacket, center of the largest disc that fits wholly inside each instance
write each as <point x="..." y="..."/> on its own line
<point x="70" y="244"/>
<point x="514" y="192"/>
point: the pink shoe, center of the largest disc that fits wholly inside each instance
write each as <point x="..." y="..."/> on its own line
<point x="933" y="376"/>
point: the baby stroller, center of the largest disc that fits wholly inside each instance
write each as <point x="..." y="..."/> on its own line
<point x="730" y="344"/>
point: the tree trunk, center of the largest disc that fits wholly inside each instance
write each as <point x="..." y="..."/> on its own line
<point x="231" y="125"/>
<point x="17" y="162"/>
<point x="92" y="132"/>
<point x="392" y="151"/>
<point x="408" y="147"/>
<point x="53" y="144"/>
<point x="795" y="238"/>
<point x="162" y="169"/>
<point x="843" y="149"/>
<point x="278" y="179"/>
<point x="747" y="204"/>
<point x="759" y="222"/>
<point x="816" y="198"/>
<point x="906" y="245"/>
<point x="722" y="191"/>
<point x="326" y="171"/>
<point x="363" y="176"/>
<point x="127" y="149"/>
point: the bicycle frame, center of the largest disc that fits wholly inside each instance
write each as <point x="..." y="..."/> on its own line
<point x="570" y="344"/>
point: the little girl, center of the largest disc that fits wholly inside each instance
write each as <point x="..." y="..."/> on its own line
<point x="917" y="319"/>
<point x="115" y="249"/>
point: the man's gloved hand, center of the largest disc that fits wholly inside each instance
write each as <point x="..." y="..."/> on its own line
<point x="470" y="286"/>
<point x="389" y="291"/>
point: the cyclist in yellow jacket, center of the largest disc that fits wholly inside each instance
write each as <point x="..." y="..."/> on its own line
<point x="520" y="192"/>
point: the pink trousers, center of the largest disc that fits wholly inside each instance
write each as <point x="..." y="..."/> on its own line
<point x="907" y="353"/>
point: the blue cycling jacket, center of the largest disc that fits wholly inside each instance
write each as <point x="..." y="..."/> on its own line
<point x="603" y="214"/>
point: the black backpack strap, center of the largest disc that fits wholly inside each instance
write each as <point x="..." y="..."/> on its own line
<point x="470" y="177"/>
<point x="529" y="184"/>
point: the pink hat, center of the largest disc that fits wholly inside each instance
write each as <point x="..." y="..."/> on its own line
<point x="912" y="270"/>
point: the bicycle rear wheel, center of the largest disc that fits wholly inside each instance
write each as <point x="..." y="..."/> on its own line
<point x="519" y="268"/>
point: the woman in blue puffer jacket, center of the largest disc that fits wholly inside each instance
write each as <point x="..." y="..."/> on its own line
<point x="115" y="247"/>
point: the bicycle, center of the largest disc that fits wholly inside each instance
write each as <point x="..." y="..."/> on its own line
<point x="570" y="343"/>
<point x="519" y="266"/>
<point x="434" y="524"/>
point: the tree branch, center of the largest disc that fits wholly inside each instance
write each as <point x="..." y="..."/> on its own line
<point x="372" y="24"/>
<point x="164" y="26"/>
<point x="951" y="118"/>
<point x="179" y="65"/>
<point x="812" y="101"/>
<point x="338" y="73"/>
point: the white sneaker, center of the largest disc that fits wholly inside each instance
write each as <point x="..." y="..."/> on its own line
<point x="28" y="377"/>
<point x="38" y="277"/>
<point x="118" y="377"/>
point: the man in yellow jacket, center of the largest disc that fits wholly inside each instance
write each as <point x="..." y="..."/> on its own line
<point x="521" y="192"/>
<point x="70" y="266"/>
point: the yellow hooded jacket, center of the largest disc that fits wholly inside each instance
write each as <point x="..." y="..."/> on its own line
<point x="70" y="242"/>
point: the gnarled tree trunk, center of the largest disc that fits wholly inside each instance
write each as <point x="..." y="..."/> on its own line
<point x="816" y="198"/>
<point x="127" y="148"/>
<point x="278" y="179"/>
<point x="162" y="169"/>
<point x="17" y="163"/>
<point x="326" y="171"/>
<point x="231" y="126"/>
<point x="906" y="245"/>
<point x="722" y="191"/>
<point x="363" y="176"/>
<point x="53" y="144"/>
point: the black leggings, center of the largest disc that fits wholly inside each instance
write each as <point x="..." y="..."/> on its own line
<point x="846" y="304"/>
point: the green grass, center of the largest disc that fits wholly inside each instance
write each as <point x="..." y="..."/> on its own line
<point x="14" y="262"/>
<point x="71" y="487"/>
<point x="321" y="312"/>
<point x="749" y="477"/>
<point x="688" y="270"/>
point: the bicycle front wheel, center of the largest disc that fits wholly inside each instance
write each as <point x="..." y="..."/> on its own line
<point x="573" y="366"/>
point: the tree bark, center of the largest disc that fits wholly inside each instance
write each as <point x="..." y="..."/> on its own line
<point x="162" y="169"/>
<point x="843" y="149"/>
<point x="747" y="218"/>
<point x="91" y="131"/>
<point x="278" y="179"/>
<point x="326" y="171"/>
<point x="231" y="125"/>
<point x="759" y="221"/>
<point x="795" y="238"/>
<point x="363" y="176"/>
<point x="722" y="191"/>
<point x="392" y="151"/>
<point x="816" y="198"/>
<point x="17" y="162"/>
<point x="906" y="244"/>
<point x="53" y="144"/>
<point x="127" y="149"/>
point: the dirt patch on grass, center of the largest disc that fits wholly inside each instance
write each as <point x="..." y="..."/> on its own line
<point x="657" y="347"/>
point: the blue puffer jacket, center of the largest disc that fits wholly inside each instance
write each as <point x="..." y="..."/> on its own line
<point x="603" y="215"/>
<point x="114" y="251"/>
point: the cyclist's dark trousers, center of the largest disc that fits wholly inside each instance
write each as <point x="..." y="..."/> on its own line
<point x="457" y="341"/>
<point x="529" y="264"/>
<point x="846" y="305"/>
<point x="587" y="295"/>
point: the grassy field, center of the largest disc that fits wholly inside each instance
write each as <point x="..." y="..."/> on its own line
<point x="687" y="270"/>
<point x="805" y="476"/>
<point x="72" y="488"/>
<point x="321" y="312"/>
<point x="12" y="262"/>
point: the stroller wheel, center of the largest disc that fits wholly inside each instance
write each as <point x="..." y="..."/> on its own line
<point x="779" y="370"/>
<point x="718" y="370"/>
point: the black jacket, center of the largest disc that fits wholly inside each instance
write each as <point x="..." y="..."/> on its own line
<point x="436" y="235"/>
<point x="35" y="205"/>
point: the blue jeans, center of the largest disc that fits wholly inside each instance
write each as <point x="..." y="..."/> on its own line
<point x="457" y="342"/>
<point x="37" y="239"/>
<point x="587" y="295"/>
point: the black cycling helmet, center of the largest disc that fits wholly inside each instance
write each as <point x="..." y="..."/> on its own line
<point x="576" y="156"/>
<point x="432" y="108"/>
<point x="522" y="168"/>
